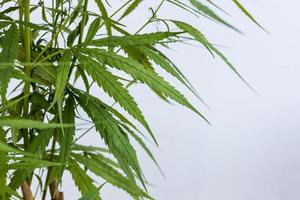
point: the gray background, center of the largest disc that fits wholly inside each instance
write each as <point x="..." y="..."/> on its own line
<point x="251" y="151"/>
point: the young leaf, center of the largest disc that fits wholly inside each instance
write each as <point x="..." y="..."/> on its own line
<point x="195" y="33"/>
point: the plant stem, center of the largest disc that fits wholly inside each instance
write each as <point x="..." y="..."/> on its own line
<point x="49" y="168"/>
<point x="27" y="47"/>
<point x="27" y="194"/>
<point x="55" y="194"/>
<point x="21" y="26"/>
<point x="83" y="21"/>
<point x="151" y="18"/>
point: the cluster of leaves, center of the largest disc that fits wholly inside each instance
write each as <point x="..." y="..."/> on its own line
<point x="41" y="107"/>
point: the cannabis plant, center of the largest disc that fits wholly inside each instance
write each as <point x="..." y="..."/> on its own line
<point x="47" y="48"/>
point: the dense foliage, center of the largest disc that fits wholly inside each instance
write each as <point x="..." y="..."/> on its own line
<point x="43" y="109"/>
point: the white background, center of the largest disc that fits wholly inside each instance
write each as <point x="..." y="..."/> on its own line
<point x="251" y="151"/>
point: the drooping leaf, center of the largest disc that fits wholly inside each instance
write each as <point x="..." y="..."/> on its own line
<point x="62" y="76"/>
<point x="131" y="8"/>
<point x="66" y="140"/>
<point x="185" y="7"/>
<point x="93" y="29"/>
<point x="62" y="80"/>
<point x="213" y="50"/>
<point x="41" y="141"/>
<point x="10" y="9"/>
<point x="101" y="158"/>
<point x="7" y="57"/>
<point x="83" y="182"/>
<point x="195" y="33"/>
<point x="45" y="73"/>
<point x="217" y="6"/>
<point x="142" y="144"/>
<point x="13" y="193"/>
<point x="18" y="177"/>
<point x="244" y="10"/>
<point x="109" y="129"/>
<point x="31" y="163"/>
<point x="168" y="66"/>
<point x="113" y="87"/>
<point x="110" y="109"/>
<point x="112" y="176"/>
<point x="138" y="72"/>
<point x="134" y="40"/>
<point x="22" y="76"/>
<point x="69" y="133"/>
<point x="44" y="15"/>
<point x="84" y="77"/>
<point x="39" y="100"/>
<point x="135" y="53"/>
<point x="105" y="17"/>
<point x="91" y="195"/>
<point x="211" y="14"/>
<point x="73" y="35"/>
<point x="84" y="148"/>
<point x="4" y="24"/>
<point x="221" y="55"/>
<point x="5" y="148"/>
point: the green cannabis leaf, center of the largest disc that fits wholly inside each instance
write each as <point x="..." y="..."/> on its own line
<point x="44" y="112"/>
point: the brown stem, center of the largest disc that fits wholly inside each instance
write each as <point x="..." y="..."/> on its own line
<point x="55" y="194"/>
<point x="61" y="196"/>
<point x="27" y="194"/>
